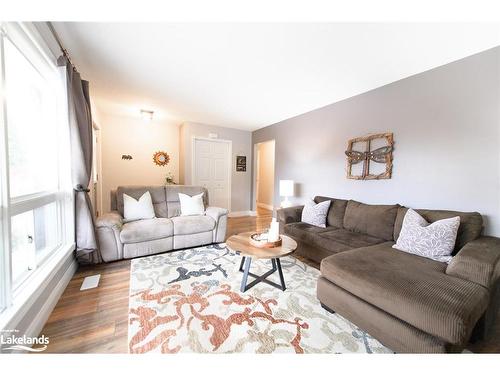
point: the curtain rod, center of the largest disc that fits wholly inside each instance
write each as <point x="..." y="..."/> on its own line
<point x="61" y="46"/>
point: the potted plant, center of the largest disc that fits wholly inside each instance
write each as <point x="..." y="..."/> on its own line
<point x="169" y="179"/>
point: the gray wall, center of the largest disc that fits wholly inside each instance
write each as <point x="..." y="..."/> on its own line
<point x="446" y="125"/>
<point x="241" y="145"/>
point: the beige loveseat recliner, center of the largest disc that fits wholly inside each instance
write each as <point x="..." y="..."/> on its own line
<point x="168" y="231"/>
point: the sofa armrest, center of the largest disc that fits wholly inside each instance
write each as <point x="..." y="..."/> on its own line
<point x="289" y="215"/>
<point x="108" y="233"/>
<point x="110" y="219"/>
<point x="478" y="261"/>
<point x="220" y="217"/>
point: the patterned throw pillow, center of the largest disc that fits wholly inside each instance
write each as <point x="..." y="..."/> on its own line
<point x="315" y="214"/>
<point x="435" y="241"/>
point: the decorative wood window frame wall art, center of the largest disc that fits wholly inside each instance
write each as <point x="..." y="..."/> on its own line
<point x="381" y="155"/>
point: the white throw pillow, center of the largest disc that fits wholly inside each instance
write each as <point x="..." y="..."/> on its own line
<point x="435" y="241"/>
<point x="315" y="214"/>
<point x="138" y="209"/>
<point x="191" y="205"/>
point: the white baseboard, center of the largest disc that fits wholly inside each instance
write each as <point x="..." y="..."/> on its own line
<point x="35" y="328"/>
<point x="242" y="213"/>
<point x="265" y="205"/>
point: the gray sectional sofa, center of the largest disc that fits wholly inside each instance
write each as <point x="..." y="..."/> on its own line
<point x="409" y="303"/>
<point x="168" y="231"/>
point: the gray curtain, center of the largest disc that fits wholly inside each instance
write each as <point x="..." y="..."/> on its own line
<point x="80" y="123"/>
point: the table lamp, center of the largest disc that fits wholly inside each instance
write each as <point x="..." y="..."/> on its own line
<point x="286" y="190"/>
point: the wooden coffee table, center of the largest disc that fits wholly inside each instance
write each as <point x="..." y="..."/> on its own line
<point x="240" y="243"/>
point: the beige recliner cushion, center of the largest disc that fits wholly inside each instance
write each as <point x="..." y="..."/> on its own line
<point x="146" y="230"/>
<point x="192" y="224"/>
<point x="158" y="197"/>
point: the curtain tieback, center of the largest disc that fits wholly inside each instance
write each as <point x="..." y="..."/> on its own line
<point x="80" y="189"/>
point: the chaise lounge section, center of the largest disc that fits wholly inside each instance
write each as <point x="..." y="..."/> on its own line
<point x="409" y="303"/>
<point x="167" y="231"/>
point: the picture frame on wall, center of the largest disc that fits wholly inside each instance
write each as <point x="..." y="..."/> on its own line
<point x="370" y="157"/>
<point x="241" y="163"/>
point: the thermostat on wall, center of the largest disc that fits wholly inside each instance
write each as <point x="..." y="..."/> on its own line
<point x="213" y="135"/>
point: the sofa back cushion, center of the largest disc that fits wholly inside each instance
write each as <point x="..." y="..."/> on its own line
<point x="471" y="223"/>
<point x="157" y="196"/>
<point x="336" y="211"/>
<point x="173" y="203"/>
<point x="374" y="220"/>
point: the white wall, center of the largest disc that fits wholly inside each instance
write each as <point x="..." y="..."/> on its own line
<point x="265" y="174"/>
<point x="132" y="136"/>
<point x="446" y="125"/>
<point x="241" y="145"/>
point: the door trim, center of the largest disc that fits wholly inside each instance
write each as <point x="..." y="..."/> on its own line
<point x="255" y="172"/>
<point x="229" y="164"/>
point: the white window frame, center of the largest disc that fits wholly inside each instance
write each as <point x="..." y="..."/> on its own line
<point x="5" y="295"/>
<point x="25" y="37"/>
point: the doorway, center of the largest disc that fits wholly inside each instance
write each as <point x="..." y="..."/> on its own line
<point x="264" y="175"/>
<point x="211" y="168"/>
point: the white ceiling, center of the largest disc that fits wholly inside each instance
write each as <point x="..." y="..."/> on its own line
<point x="250" y="75"/>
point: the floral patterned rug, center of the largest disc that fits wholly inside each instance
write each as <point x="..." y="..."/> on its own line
<point x="190" y="301"/>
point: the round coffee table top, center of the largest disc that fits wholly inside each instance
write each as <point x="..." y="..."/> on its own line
<point x="241" y="243"/>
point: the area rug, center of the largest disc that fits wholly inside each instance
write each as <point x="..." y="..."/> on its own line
<point x="190" y="301"/>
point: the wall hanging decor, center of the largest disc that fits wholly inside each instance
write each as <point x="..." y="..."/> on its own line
<point x="241" y="163"/>
<point x="126" y="157"/>
<point x="161" y="158"/>
<point x="370" y="157"/>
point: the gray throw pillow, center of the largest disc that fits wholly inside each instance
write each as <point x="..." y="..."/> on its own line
<point x="315" y="214"/>
<point x="435" y="241"/>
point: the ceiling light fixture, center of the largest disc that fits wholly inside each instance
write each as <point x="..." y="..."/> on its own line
<point x="147" y="115"/>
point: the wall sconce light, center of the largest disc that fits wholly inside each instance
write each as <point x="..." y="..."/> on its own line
<point x="146" y="115"/>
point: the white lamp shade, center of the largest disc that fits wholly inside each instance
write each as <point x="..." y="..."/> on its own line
<point x="286" y="188"/>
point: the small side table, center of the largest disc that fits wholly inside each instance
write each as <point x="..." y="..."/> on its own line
<point x="240" y="243"/>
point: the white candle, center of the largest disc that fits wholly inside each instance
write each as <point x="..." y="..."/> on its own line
<point x="274" y="231"/>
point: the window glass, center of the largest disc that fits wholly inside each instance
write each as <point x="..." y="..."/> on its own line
<point x="31" y="125"/>
<point x="23" y="247"/>
<point x="34" y="234"/>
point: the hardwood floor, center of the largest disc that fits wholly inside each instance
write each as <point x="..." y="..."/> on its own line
<point x="96" y="320"/>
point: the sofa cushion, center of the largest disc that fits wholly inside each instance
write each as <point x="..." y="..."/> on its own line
<point x="192" y="224"/>
<point x="146" y="230"/>
<point x="374" y="220"/>
<point x="172" y="193"/>
<point x="411" y="288"/>
<point x="471" y="223"/>
<point x="303" y="231"/>
<point x="336" y="212"/>
<point x="332" y="239"/>
<point x="431" y="240"/>
<point x="351" y="239"/>
<point x="315" y="213"/>
<point x="157" y="196"/>
<point x="138" y="209"/>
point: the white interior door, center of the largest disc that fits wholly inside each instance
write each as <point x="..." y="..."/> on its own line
<point x="211" y="169"/>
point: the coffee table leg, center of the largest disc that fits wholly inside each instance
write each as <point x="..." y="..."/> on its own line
<point x="248" y="260"/>
<point x="280" y="272"/>
<point x="241" y="264"/>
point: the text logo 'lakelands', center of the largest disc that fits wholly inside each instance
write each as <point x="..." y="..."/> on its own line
<point x="9" y="342"/>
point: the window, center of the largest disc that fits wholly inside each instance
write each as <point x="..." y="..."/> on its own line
<point x="34" y="154"/>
